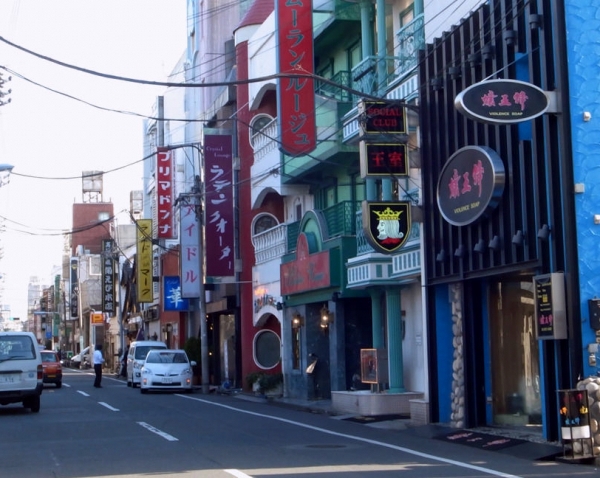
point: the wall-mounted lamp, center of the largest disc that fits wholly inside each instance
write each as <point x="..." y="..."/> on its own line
<point x="535" y="21"/>
<point x="297" y="321"/>
<point x="495" y="244"/>
<point x="454" y="72"/>
<point x="487" y="52"/>
<point x="518" y="238"/>
<point x="441" y="256"/>
<point x="510" y="37"/>
<point x="279" y="305"/>
<point x="326" y="317"/>
<point x="460" y="251"/>
<point x="480" y="246"/>
<point x="544" y="232"/>
<point x="436" y="84"/>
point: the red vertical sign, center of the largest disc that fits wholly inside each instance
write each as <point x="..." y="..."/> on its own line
<point x="218" y="167"/>
<point x="296" y="96"/>
<point x="164" y="193"/>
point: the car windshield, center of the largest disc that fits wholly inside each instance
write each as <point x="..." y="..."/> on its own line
<point x="142" y="350"/>
<point x="16" y="348"/>
<point x="166" y="357"/>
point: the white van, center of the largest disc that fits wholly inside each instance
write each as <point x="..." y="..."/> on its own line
<point x="21" y="372"/>
<point x="137" y="357"/>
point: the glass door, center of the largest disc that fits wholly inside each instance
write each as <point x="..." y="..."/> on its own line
<point x="515" y="370"/>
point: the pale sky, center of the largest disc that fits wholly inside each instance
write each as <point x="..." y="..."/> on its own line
<point x="46" y="135"/>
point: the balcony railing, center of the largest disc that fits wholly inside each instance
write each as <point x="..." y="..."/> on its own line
<point x="327" y="89"/>
<point x="340" y="222"/>
<point x="365" y="76"/>
<point x="270" y="244"/>
<point x="410" y="39"/>
<point x="265" y="140"/>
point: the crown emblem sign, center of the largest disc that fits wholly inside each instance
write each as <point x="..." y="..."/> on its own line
<point x="388" y="215"/>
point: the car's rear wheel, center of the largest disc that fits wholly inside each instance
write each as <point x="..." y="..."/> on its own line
<point x="58" y="384"/>
<point x="33" y="403"/>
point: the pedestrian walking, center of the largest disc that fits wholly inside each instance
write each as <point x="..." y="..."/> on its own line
<point x="98" y="362"/>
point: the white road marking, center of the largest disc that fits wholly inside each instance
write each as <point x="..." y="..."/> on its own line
<point x="83" y="393"/>
<point x="104" y="404"/>
<point x="166" y="436"/>
<point x="237" y="473"/>
<point x="364" y="440"/>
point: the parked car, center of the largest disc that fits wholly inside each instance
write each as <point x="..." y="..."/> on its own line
<point x="52" y="367"/>
<point x="84" y="357"/>
<point x="21" y="371"/>
<point x="168" y="369"/>
<point x="136" y="358"/>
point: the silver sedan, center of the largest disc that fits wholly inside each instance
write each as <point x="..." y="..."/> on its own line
<point x="167" y="369"/>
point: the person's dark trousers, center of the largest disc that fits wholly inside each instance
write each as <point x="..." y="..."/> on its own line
<point x="98" y="370"/>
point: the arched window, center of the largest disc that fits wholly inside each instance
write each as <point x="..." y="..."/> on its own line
<point x="258" y="123"/>
<point x="263" y="223"/>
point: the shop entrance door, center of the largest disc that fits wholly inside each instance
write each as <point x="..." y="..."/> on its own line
<point x="515" y="370"/>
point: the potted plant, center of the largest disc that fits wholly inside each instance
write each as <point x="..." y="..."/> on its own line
<point x="193" y="350"/>
<point x="264" y="383"/>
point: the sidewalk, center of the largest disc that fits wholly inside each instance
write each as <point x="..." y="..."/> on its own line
<point x="530" y="445"/>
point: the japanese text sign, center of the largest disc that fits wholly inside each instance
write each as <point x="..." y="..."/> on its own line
<point x="189" y="261"/>
<point x="164" y="193"/>
<point x="219" y="228"/>
<point x="144" y="260"/>
<point x="550" y="306"/>
<point x="502" y="101"/>
<point x="470" y="184"/>
<point x="172" y="298"/>
<point x="108" y="278"/>
<point x="383" y="160"/>
<point x="296" y="96"/>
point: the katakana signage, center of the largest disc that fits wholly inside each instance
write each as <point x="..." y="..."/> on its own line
<point x="219" y="229"/>
<point x="295" y="95"/>
<point x="470" y="184"/>
<point x="164" y="194"/>
<point x="74" y="282"/>
<point x="502" y="101"/>
<point x="189" y="234"/>
<point x="386" y="225"/>
<point x="108" y="278"/>
<point x="144" y="260"/>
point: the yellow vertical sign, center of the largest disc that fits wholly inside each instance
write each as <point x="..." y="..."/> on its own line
<point x="144" y="260"/>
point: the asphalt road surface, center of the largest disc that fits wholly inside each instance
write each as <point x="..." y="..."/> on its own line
<point x="115" y="431"/>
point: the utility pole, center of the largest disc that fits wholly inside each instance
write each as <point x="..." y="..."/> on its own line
<point x="202" y="298"/>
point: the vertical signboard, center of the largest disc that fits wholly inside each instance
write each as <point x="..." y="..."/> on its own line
<point x="164" y="193"/>
<point x="550" y="307"/>
<point x="74" y="282"/>
<point x="295" y="96"/>
<point x="190" y="255"/>
<point x="219" y="232"/>
<point x="108" y="278"/>
<point x="144" y="260"/>
<point x="173" y="300"/>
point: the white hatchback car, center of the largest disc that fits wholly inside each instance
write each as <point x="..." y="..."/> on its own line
<point x="136" y="358"/>
<point x="21" y="371"/>
<point x="168" y="369"/>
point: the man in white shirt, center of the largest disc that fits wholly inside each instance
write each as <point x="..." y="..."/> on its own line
<point x="98" y="361"/>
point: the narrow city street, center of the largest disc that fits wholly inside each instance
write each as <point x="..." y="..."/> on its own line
<point x="116" y="431"/>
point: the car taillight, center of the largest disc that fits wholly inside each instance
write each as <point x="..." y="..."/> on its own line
<point x="40" y="372"/>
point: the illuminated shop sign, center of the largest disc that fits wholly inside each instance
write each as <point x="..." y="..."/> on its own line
<point x="470" y="184"/>
<point x="378" y="159"/>
<point x="502" y="101"/>
<point x="550" y="306"/>
<point x="379" y="117"/>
